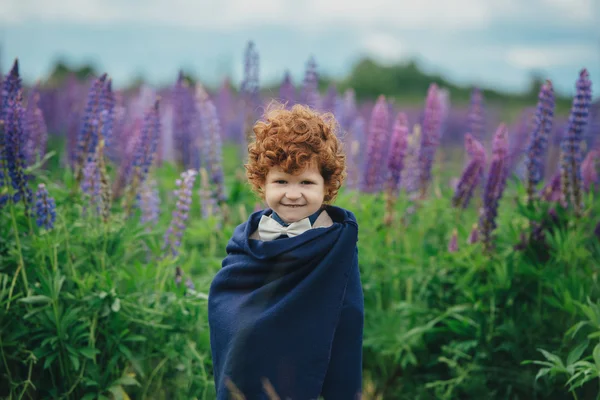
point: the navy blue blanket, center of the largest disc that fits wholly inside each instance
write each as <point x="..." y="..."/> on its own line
<point x="289" y="311"/>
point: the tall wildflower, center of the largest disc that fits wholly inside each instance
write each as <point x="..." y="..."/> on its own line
<point x="45" y="208"/>
<point x="36" y="131"/>
<point x="410" y="175"/>
<point x="589" y="171"/>
<point x="539" y="137"/>
<point x="494" y="187"/>
<point x="3" y="167"/>
<point x="571" y="153"/>
<point x="397" y="152"/>
<point x="249" y="90"/>
<point x="472" y="174"/>
<point x="212" y="145"/>
<point x="105" y="188"/>
<point x="345" y="109"/>
<point x="376" y="142"/>
<point x="88" y="135"/>
<point x="14" y="138"/>
<point x="430" y="137"/>
<point x="354" y="142"/>
<point x="287" y="91"/>
<point x="395" y="163"/>
<point x="208" y="203"/>
<point x="144" y="154"/>
<point x="149" y="203"/>
<point x="177" y="226"/>
<point x="310" y="88"/>
<point x="182" y="120"/>
<point x="476" y="118"/>
<point x="453" y="243"/>
<point x="107" y="113"/>
<point x="330" y="98"/>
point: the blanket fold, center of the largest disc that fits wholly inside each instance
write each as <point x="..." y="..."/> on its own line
<point x="289" y="311"/>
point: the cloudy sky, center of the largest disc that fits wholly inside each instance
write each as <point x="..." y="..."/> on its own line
<point x="495" y="43"/>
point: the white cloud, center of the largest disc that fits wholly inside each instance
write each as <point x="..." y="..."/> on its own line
<point x="547" y="56"/>
<point x="385" y="47"/>
<point x="309" y="15"/>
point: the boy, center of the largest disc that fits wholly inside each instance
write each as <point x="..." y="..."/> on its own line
<point x="286" y="309"/>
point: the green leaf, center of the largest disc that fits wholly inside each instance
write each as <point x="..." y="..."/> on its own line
<point x="75" y="362"/>
<point x="552" y="358"/>
<point x="576" y="353"/>
<point x="88" y="352"/>
<point x="596" y="355"/>
<point x="126" y="381"/>
<point x="36" y="299"/>
<point x="49" y="360"/>
<point x="542" y="372"/>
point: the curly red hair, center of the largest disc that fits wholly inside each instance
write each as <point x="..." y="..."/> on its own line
<point x="293" y="139"/>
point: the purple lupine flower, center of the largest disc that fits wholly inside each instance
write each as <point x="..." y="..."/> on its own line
<point x="107" y="112"/>
<point x="177" y="226"/>
<point x="539" y="137"/>
<point x="3" y="179"/>
<point x="345" y="110"/>
<point x="90" y="184"/>
<point x="208" y="202"/>
<point x="310" y="87"/>
<point x="182" y="120"/>
<point x="149" y="203"/>
<point x="14" y="145"/>
<point x="36" y="131"/>
<point x="453" y="243"/>
<point x="213" y="148"/>
<point x="472" y="174"/>
<point x="474" y="235"/>
<point x="430" y="137"/>
<point x="378" y="135"/>
<point x="494" y="186"/>
<point x="45" y="208"/>
<point x="395" y="162"/>
<point x="146" y="150"/>
<point x="552" y="191"/>
<point x="410" y="176"/>
<point x="287" y="91"/>
<point x="11" y="86"/>
<point x="571" y="154"/>
<point x="330" y="98"/>
<point x="589" y="172"/>
<point x="476" y="118"/>
<point x="88" y="134"/>
<point x="354" y="143"/>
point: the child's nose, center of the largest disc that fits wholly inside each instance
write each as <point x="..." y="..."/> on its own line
<point x="293" y="194"/>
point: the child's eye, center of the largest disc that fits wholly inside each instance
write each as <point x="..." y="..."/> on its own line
<point x="308" y="182"/>
<point x="280" y="181"/>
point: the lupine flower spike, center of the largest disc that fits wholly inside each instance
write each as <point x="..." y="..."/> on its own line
<point x="472" y="173"/>
<point x="45" y="208"/>
<point x="494" y="187"/>
<point x="539" y="138"/>
<point x="430" y="137"/>
<point x="378" y="135"/>
<point x="571" y="152"/>
<point x="177" y="227"/>
<point x="453" y="244"/>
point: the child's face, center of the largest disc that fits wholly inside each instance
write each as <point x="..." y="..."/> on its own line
<point x="294" y="197"/>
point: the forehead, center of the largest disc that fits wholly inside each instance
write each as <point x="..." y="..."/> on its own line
<point x="311" y="170"/>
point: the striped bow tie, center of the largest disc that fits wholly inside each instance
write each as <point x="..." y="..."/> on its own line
<point x="269" y="229"/>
